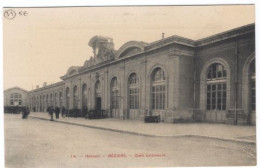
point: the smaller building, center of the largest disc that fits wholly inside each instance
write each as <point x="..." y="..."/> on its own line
<point x="15" y="96"/>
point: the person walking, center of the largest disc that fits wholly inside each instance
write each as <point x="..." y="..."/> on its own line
<point x="51" y="110"/>
<point x="57" y="112"/>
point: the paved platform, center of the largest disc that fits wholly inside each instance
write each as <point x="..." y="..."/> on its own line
<point x="238" y="133"/>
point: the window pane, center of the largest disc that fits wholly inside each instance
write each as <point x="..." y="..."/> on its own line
<point x="209" y="88"/>
<point x="213" y="87"/>
<point x="216" y="97"/>
<point x="158" y="75"/>
<point x="209" y="74"/>
<point x="224" y="73"/>
<point x="224" y="86"/>
<point x="219" y="86"/>
<point x="219" y="94"/>
<point x="216" y="71"/>
<point x="158" y="89"/>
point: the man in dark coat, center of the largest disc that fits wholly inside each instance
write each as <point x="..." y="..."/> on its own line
<point x="51" y="111"/>
<point x="57" y="112"/>
<point x="25" y="112"/>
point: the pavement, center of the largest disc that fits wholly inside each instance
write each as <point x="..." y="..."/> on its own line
<point x="225" y="132"/>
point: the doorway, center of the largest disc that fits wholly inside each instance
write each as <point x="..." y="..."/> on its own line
<point x="98" y="107"/>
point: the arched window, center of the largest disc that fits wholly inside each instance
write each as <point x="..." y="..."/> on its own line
<point x="158" y="75"/>
<point x="216" y="87"/>
<point x="67" y="98"/>
<point x="133" y="91"/>
<point x="84" y="96"/>
<point x="252" y="85"/>
<point x="75" y="97"/>
<point x="158" y="89"/>
<point x="114" y="94"/>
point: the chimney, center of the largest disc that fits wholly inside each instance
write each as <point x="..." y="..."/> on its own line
<point x="163" y="35"/>
<point x="44" y="84"/>
<point x="37" y="86"/>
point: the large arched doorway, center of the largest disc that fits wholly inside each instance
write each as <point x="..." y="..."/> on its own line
<point x="252" y="92"/>
<point x="75" y="97"/>
<point x="248" y="92"/>
<point x="158" y="92"/>
<point x="98" y="96"/>
<point x="133" y="96"/>
<point x="68" y="98"/>
<point x="216" y="96"/>
<point x="115" y="98"/>
<point x="84" y="97"/>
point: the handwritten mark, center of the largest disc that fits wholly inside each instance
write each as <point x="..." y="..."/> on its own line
<point x="9" y="14"/>
<point x="23" y="13"/>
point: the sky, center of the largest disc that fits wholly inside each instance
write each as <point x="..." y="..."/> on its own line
<point x="40" y="46"/>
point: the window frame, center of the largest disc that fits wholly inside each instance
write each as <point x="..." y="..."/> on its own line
<point x="158" y="89"/>
<point x="216" y="99"/>
<point x="133" y="91"/>
<point x="115" y="94"/>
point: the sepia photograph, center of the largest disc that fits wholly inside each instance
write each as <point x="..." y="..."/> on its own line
<point x="129" y="86"/>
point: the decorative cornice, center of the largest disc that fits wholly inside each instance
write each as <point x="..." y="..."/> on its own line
<point x="240" y="31"/>
<point x="177" y="52"/>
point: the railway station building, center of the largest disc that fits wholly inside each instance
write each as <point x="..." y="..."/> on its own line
<point x="179" y="79"/>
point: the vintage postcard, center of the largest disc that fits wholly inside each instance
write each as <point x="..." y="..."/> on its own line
<point x="129" y="86"/>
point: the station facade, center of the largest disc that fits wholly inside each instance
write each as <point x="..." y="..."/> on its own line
<point x="182" y="80"/>
<point x="15" y="96"/>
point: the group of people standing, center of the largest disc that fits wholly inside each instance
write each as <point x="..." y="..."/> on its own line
<point x="55" y="110"/>
<point x="25" y="112"/>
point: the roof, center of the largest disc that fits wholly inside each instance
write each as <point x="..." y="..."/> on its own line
<point x="16" y="87"/>
<point x="49" y="86"/>
<point x="226" y="35"/>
